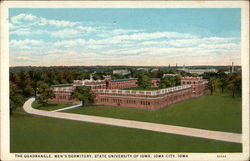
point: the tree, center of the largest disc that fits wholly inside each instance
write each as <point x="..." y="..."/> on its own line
<point x="44" y="92"/>
<point x="144" y="81"/>
<point x="194" y="75"/>
<point x="135" y="73"/>
<point x="15" y="102"/>
<point x="234" y="83"/>
<point x="16" y="97"/>
<point x="52" y="78"/>
<point x="28" y="91"/>
<point x="97" y="76"/>
<point x="15" y="78"/>
<point x="83" y="75"/>
<point x="169" y="82"/>
<point x="223" y="80"/>
<point x="213" y="85"/>
<point x="118" y="76"/>
<point x="35" y="77"/>
<point x="61" y="78"/>
<point x="84" y="94"/>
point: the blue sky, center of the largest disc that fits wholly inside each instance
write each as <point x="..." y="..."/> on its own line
<point x="135" y="36"/>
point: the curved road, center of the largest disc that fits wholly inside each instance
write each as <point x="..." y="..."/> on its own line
<point x="179" y="130"/>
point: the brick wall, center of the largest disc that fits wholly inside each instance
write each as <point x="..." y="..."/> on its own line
<point x="110" y="93"/>
<point x="143" y="99"/>
<point x="198" y="84"/>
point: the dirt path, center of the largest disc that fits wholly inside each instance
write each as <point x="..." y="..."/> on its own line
<point x="179" y="130"/>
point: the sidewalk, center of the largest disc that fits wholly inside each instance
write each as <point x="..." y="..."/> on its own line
<point x="179" y="130"/>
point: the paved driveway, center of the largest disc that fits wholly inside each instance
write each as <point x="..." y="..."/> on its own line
<point x="179" y="130"/>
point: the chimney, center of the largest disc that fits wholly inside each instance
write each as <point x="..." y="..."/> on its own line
<point x="232" y="67"/>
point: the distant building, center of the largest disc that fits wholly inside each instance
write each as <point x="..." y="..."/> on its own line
<point x="233" y="69"/>
<point x="170" y="75"/>
<point x="143" y="69"/>
<point x="121" y="72"/>
<point x="155" y="70"/>
<point x="107" y="77"/>
<point x="155" y="82"/>
<point x="199" y="71"/>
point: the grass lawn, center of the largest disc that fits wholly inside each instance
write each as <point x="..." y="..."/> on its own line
<point x="41" y="134"/>
<point x="50" y="106"/>
<point x="221" y="113"/>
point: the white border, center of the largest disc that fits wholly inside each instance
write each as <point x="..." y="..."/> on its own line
<point x="244" y="5"/>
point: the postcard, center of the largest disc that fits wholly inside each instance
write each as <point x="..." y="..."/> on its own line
<point x="125" y="80"/>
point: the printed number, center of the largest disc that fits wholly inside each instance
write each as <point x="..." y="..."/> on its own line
<point x="221" y="156"/>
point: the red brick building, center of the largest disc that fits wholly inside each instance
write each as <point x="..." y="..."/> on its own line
<point x="142" y="99"/>
<point x="122" y="83"/>
<point x="199" y="85"/>
<point x="112" y="93"/>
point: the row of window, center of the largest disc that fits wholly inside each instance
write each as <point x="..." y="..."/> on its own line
<point x="145" y="103"/>
<point x="127" y="101"/>
<point x="189" y="82"/>
<point x="117" y="100"/>
<point x="131" y="101"/>
<point x="104" y="99"/>
<point x="122" y="86"/>
<point x="62" y="97"/>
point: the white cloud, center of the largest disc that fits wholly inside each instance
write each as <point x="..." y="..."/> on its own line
<point x="117" y="46"/>
<point x="66" y="33"/>
<point x="28" y="31"/>
<point x="87" y="28"/>
<point x="123" y="31"/>
<point x="136" y="37"/>
<point x="227" y="46"/>
<point x="22" y="31"/>
<point x="209" y="42"/>
<point x="22" y="17"/>
<point x="26" y="44"/>
<point x="57" y="23"/>
<point x="110" y="32"/>
<point x="24" y="58"/>
<point x="40" y="21"/>
<point x="154" y="35"/>
<point x="95" y="46"/>
<point x="70" y="43"/>
<point x="218" y="39"/>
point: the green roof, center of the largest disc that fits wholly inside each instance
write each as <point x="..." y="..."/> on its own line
<point x="62" y="85"/>
<point x="120" y="80"/>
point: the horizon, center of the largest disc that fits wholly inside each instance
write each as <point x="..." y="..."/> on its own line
<point x="127" y="66"/>
<point x="125" y="36"/>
